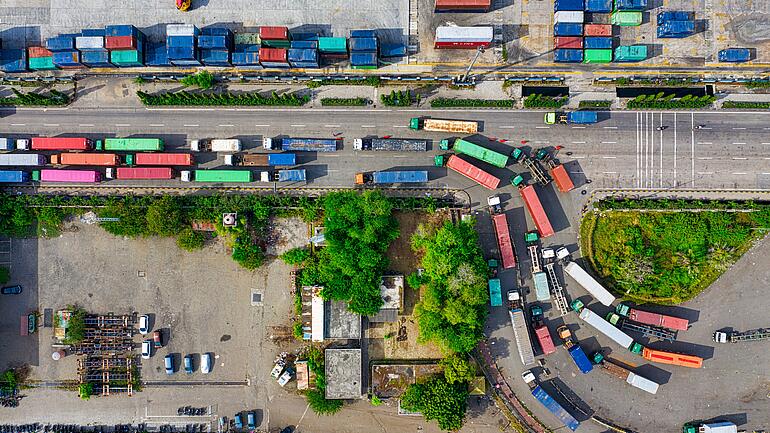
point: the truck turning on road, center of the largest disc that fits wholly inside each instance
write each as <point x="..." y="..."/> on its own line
<point x="444" y="125"/>
<point x="572" y="117"/>
<point x="301" y="144"/>
<point x="469" y="170"/>
<point x="546" y="400"/>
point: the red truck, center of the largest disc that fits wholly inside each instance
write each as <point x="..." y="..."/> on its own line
<point x="144" y="173"/>
<point x="61" y="143"/>
<point x="504" y="240"/>
<point x="541" y="330"/>
<point x="562" y="179"/>
<point x="471" y="171"/>
<point x="163" y="159"/>
<point x="535" y="208"/>
<point x="653" y="319"/>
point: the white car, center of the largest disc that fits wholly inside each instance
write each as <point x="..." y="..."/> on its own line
<point x="205" y="363"/>
<point x="144" y="324"/>
<point x="286" y="377"/>
<point x="146" y="349"/>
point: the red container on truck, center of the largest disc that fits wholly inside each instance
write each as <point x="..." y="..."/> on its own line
<point x="544" y="337"/>
<point x="76" y="176"/>
<point x="597" y="30"/>
<point x="561" y="177"/>
<point x="61" y="143"/>
<point x="653" y="319"/>
<point x="144" y="173"/>
<point x="504" y="240"/>
<point x="472" y="172"/>
<point x="536" y="211"/>
<point x="101" y="159"/>
<point x="461" y="45"/>
<point x="164" y="159"/>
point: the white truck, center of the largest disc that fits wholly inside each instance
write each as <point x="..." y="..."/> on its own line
<point x="587" y="282"/>
<point x="230" y="145"/>
<point x="520" y="330"/>
<point x="603" y="326"/>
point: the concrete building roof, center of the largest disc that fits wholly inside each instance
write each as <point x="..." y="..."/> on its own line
<point x="340" y="323"/>
<point x="343" y="374"/>
<point x="391" y="288"/>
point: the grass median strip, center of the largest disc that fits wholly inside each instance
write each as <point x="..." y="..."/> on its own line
<point x="746" y="104"/>
<point x="185" y="98"/>
<point x="454" y="102"/>
<point x="663" y="101"/>
<point x="54" y="98"/>
<point x="344" y="102"/>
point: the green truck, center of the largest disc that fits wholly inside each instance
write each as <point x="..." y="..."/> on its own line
<point x="481" y="153"/>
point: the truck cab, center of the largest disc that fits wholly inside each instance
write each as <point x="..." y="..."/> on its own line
<point x="494" y="204"/>
<point x="613" y="318"/>
<point x="358" y="144"/>
<point x="550" y="118"/>
<point x="517" y="154"/>
<point x="267" y="143"/>
<point x="444" y="144"/>
<point x="414" y="123"/>
<point x="529" y="378"/>
<point x="517" y="180"/>
<point x="577" y="305"/>
<point x="363" y="178"/>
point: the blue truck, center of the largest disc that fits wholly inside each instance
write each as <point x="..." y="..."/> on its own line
<point x="13" y="176"/>
<point x="385" y="177"/>
<point x="302" y="144"/>
<point x="262" y="159"/>
<point x="575" y="351"/>
<point x="572" y="117"/>
<point x="290" y="175"/>
<point x="546" y="400"/>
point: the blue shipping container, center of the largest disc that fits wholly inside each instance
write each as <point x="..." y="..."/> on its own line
<point x="297" y="55"/>
<point x="304" y="37"/>
<point x="309" y="144"/>
<point x="246" y="48"/>
<point x="306" y="65"/>
<point x="184" y="62"/>
<point x="555" y="408"/>
<point x="362" y="34"/>
<point x="291" y="175"/>
<point x="568" y="5"/>
<point x="676" y="29"/>
<point x="598" y="6"/>
<point x="600" y="43"/>
<point x="393" y="50"/>
<point x="275" y="159"/>
<point x="180" y="41"/>
<point x="156" y="55"/>
<point x="674" y="16"/>
<point x="563" y="55"/>
<point x="66" y="58"/>
<point x="14" y="176"/>
<point x="216" y="31"/>
<point x="630" y="5"/>
<point x="215" y="42"/>
<point x="583" y="117"/>
<point x="181" y="53"/>
<point x="416" y="176"/>
<point x="93" y="32"/>
<point x="568" y="29"/>
<point x="60" y="43"/>
<point x="96" y="59"/>
<point x="363" y="44"/>
<point x="580" y="358"/>
<point x="304" y="44"/>
<point x="363" y="59"/>
<point x="121" y="30"/>
<point x="248" y="59"/>
<point x="13" y="60"/>
<point x="735" y="55"/>
<point x="215" y="57"/>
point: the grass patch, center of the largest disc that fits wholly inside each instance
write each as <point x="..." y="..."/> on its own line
<point x="595" y="104"/>
<point x="53" y="98"/>
<point x="663" y="101"/>
<point x="746" y="104"/>
<point x="344" y="102"/>
<point x="667" y="257"/>
<point x="400" y="98"/>
<point x="453" y="102"/>
<point x="185" y="98"/>
<point x="540" y="101"/>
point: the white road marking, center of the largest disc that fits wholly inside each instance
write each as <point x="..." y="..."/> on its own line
<point x="765" y="143"/>
<point x="508" y="127"/>
<point x="400" y="126"/>
<point x="542" y="142"/>
<point x="739" y="142"/>
<point x="122" y="124"/>
<point x="610" y="172"/>
<point x="705" y="142"/>
<point x="297" y="126"/>
<point x="738" y="129"/>
<point x="226" y="126"/>
<point x="368" y="126"/>
<point x="578" y="142"/>
<point x="367" y="156"/>
<point x="578" y="127"/>
<point x="577" y="157"/>
<point x="157" y="125"/>
<point x="86" y="124"/>
<point x="738" y="174"/>
<point x="738" y="157"/>
<point x="18" y="124"/>
<point x="331" y="126"/>
<point x="542" y="127"/>
<point x="705" y="172"/>
<point x="190" y="126"/>
<point x="262" y="126"/>
<point x="50" y="124"/>
<point x="705" y="157"/>
<point x="765" y="174"/>
<point x="332" y="171"/>
<point x="610" y="127"/>
<point x="400" y="156"/>
<point x="609" y="142"/>
<point x="609" y="157"/>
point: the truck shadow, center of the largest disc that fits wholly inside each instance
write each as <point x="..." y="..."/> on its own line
<point x="559" y="391"/>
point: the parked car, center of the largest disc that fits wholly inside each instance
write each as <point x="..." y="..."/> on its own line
<point x="206" y="363"/>
<point x="11" y="290"/>
<point x="286" y="377"/>
<point x="146" y="349"/>
<point x="144" y="324"/>
<point x="251" y="421"/>
<point x="238" y="421"/>
<point x="277" y="370"/>
<point x="169" y="360"/>
<point x="188" y="368"/>
<point x="156" y="338"/>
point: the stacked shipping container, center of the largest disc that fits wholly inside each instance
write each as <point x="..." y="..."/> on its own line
<point x="463" y="37"/>
<point x="363" y="49"/>
<point x="40" y="59"/>
<point x="246" y="51"/>
<point x="93" y="50"/>
<point x="180" y="44"/>
<point x="126" y="45"/>
<point x="274" y="36"/>
<point x="675" y="24"/>
<point x="215" y="44"/>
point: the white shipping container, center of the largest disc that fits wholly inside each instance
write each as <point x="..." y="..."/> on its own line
<point x="22" y="159"/>
<point x="606" y="328"/>
<point x="568" y="17"/>
<point x="464" y="34"/>
<point x="181" y="30"/>
<point x="592" y="286"/>
<point x="642" y="383"/>
<point x="89" y="42"/>
<point x="230" y="145"/>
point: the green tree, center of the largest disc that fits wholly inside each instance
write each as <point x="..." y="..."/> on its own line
<point x="439" y="400"/>
<point x="190" y="240"/>
<point x="457" y="368"/>
<point x="5" y="274"/>
<point x="76" y="328"/>
<point x="86" y="390"/>
<point x="165" y="217"/>
<point x="203" y="80"/>
<point x="295" y="256"/>
<point x="248" y="255"/>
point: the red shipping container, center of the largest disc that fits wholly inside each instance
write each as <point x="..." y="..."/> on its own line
<point x="572" y="42"/>
<point x="460" y="45"/>
<point x="562" y="179"/>
<point x="536" y="211"/>
<point x="472" y="172"/>
<point x="34" y="52"/>
<point x="274" y="33"/>
<point x="460" y="5"/>
<point x="144" y="173"/>
<point x="273" y="55"/>
<point x="597" y="30"/>
<point x="60" y="143"/>
<point x="163" y="159"/>
<point x="120" y="42"/>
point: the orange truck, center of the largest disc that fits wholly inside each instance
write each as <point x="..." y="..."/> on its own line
<point x="100" y="159"/>
<point x="562" y="179"/>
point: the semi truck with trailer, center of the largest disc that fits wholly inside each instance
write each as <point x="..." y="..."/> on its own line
<point x="22" y="160"/>
<point x="534" y="207"/>
<point x="219" y="145"/>
<point x="672" y="358"/>
<point x="537" y="318"/>
<point x="710" y="427"/>
<point x="574" y="350"/>
<point x="612" y="368"/>
<point x="504" y="242"/>
<point x="571" y="117"/>
<point x="390" y="177"/>
<point x="72" y="176"/>
<point x="546" y="400"/>
<point x="589" y="284"/>
<point x="62" y="143"/>
<point x="519" y="324"/>
<point x="642" y="328"/>
<point x="470" y="171"/>
<point x="78" y="158"/>
<point x="390" y="144"/>
<point x="297" y="175"/>
<point x="301" y="144"/>
<point x="444" y="125"/>
<point x="261" y="159"/>
<point x="133" y="144"/>
<point x="654" y="319"/>
<point x="481" y="153"/>
<point x="601" y="325"/>
<point x="561" y="178"/>
<point x="139" y="173"/>
<point x="519" y="156"/>
<point x="222" y="176"/>
<point x="736" y="336"/>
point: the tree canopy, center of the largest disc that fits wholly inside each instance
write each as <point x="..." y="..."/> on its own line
<point x="439" y="400"/>
<point x="457" y="368"/>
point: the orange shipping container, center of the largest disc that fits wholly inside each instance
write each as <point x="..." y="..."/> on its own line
<point x="101" y="159"/>
<point x="672" y="358"/>
<point x="597" y="30"/>
<point x="561" y="177"/>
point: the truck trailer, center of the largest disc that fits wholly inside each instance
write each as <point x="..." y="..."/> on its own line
<point x="100" y="159"/>
<point x="472" y="172"/>
<point x="736" y="336"/>
<point x="541" y="330"/>
<point x="302" y="144"/>
<point x="164" y="159"/>
<point x="561" y="178"/>
<point x="622" y="373"/>
<point x="22" y="160"/>
<point x="61" y="143"/>
<point x="672" y="358"/>
<point x="520" y="330"/>
<point x="222" y="176"/>
<point x="546" y="400"/>
<point x="13" y="176"/>
<point x="389" y="177"/>
<point x="290" y="175"/>
<point x="133" y="144"/>
<point x="481" y="153"/>
<point x="536" y="211"/>
<point x="504" y="242"/>
<point x="444" y="125"/>
<point x="390" y="144"/>
<point x="262" y="159"/>
<point x="653" y="319"/>
<point x="589" y="284"/>
<point x="219" y="145"/>
<point x="140" y="173"/>
<point x="73" y="176"/>
<point x="572" y="117"/>
<point x="606" y="328"/>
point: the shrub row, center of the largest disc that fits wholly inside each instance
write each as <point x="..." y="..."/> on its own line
<point x="400" y="98"/>
<point x="663" y="101"/>
<point x="746" y="104"/>
<point x="453" y="102"/>
<point x="368" y="81"/>
<point x="344" y="102"/>
<point x="540" y="101"/>
<point x="55" y="98"/>
<point x="595" y="104"/>
<point x="757" y="84"/>
<point x="222" y="99"/>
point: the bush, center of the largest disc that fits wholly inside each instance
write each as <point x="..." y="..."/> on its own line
<point x="298" y="331"/>
<point x="453" y="102"/>
<point x="248" y="255"/>
<point x="415" y="281"/>
<point x="540" y="101"/>
<point x="400" y="98"/>
<point x="368" y="81"/>
<point x="438" y="400"/>
<point x="595" y="104"/>
<point x="5" y="275"/>
<point x="54" y="98"/>
<point x="184" y="98"/>
<point x="8" y="381"/>
<point x="202" y="79"/>
<point x="295" y="256"/>
<point x="86" y="390"/>
<point x="76" y="329"/>
<point x="344" y="102"/>
<point x="164" y="217"/>
<point x="316" y="398"/>
<point x="375" y="401"/>
<point x="757" y="84"/>
<point x="746" y="104"/>
<point x="190" y="240"/>
<point x="662" y="101"/>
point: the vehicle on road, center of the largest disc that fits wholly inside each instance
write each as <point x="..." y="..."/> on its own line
<point x="653" y="319"/>
<point x="444" y="125"/>
<point x="137" y="173"/>
<point x="169" y="364"/>
<point x="62" y="143"/>
<point x="188" y="364"/>
<point x="227" y="145"/>
<point x="262" y="159"/>
<point x="206" y="363"/>
<point x="146" y="349"/>
<point x="504" y="242"/>
<point x="11" y="290"/>
<point x="546" y="400"/>
<point x="238" y="421"/>
<point x="633" y="379"/>
<point x="302" y="144"/>
<point x="541" y="330"/>
<point x="534" y="206"/>
<point x="98" y="159"/>
<point x="156" y="338"/>
<point x="520" y="330"/>
<point x="390" y="177"/>
<point x="574" y="350"/>
<point x="589" y="284"/>
<point x="22" y="160"/>
<point x="144" y="324"/>
<point x="606" y="328"/>
<point x="519" y="156"/>
<point x="710" y="427"/>
<point x="286" y="377"/>
<point x="481" y="153"/>
<point x="133" y="144"/>
<point x="390" y="144"/>
<point x="562" y="253"/>
<point x="275" y="373"/>
<point x="14" y="176"/>
<point x="735" y="336"/>
<point x="468" y="170"/>
<point x="571" y="117"/>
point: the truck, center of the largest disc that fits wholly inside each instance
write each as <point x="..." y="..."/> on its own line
<point x="290" y="175"/>
<point x="519" y="156"/>
<point x="504" y="243"/>
<point x="574" y="350"/>
<point x="546" y="400"/>
<point x="100" y="159"/>
<point x="653" y="319"/>
<point x="22" y="160"/>
<point x="74" y="176"/>
<point x="571" y="117"/>
<point x="61" y="143"/>
<point x="481" y="153"/>
<point x="262" y="159"/>
<point x="601" y="325"/>
<point x="733" y="55"/>
<point x="222" y="176"/>
<point x="561" y="178"/>
<point x="472" y="172"/>
<point x="534" y="207"/>
<point x="710" y="427"/>
<point x="13" y="176"/>
<point x="642" y="328"/>
<point x="164" y="159"/>
<point x="390" y="144"/>
<point x="139" y="173"/>
<point x="133" y="144"/>
<point x="542" y="291"/>
<point x="444" y="125"/>
<point x="219" y="145"/>
<point x="735" y="336"/>
<point x="672" y="358"/>
<point x="519" y="324"/>
<point x="589" y="284"/>
<point x="537" y="318"/>
<point x="302" y="144"/>
<point x="388" y="177"/>
<point x="495" y="293"/>
<point x="614" y="369"/>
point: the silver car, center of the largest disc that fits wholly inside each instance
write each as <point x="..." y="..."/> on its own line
<point x="144" y="324"/>
<point x="205" y="363"/>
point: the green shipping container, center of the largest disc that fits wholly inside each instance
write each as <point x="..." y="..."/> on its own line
<point x="133" y="144"/>
<point x="126" y="58"/>
<point x="247" y="39"/>
<point x="481" y="153"/>
<point x="41" y="63"/>
<point x="333" y="45"/>
<point x="363" y="67"/>
<point x="597" y="56"/>
<point x="626" y="18"/>
<point x="632" y="53"/>
<point x="276" y="43"/>
<point x="222" y="176"/>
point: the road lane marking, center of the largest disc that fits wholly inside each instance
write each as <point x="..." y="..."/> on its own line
<point x="765" y="143"/>
<point x="86" y="124"/>
<point x="367" y="156"/>
<point x="765" y="173"/>
<point x="190" y="126"/>
<point x="609" y="157"/>
<point x="609" y="142"/>
<point x="400" y="126"/>
<point x="738" y="173"/>
<point x="610" y="127"/>
<point x="262" y="126"/>
<point x="18" y="124"/>
<point x="705" y="142"/>
<point x="331" y="126"/>
<point x="577" y="157"/>
<point x="508" y="127"/>
<point x="578" y="127"/>
<point x="226" y="126"/>
<point x="610" y="172"/>
<point x="705" y="157"/>
<point x="705" y="172"/>
<point x="297" y="126"/>
<point x="739" y="142"/>
<point x="50" y="124"/>
<point x="541" y="142"/>
<point x="738" y="157"/>
<point x="738" y="129"/>
<point x="542" y="127"/>
<point x="368" y="126"/>
<point x="122" y="124"/>
<point x="400" y="156"/>
<point x="578" y="142"/>
<point x="157" y="125"/>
